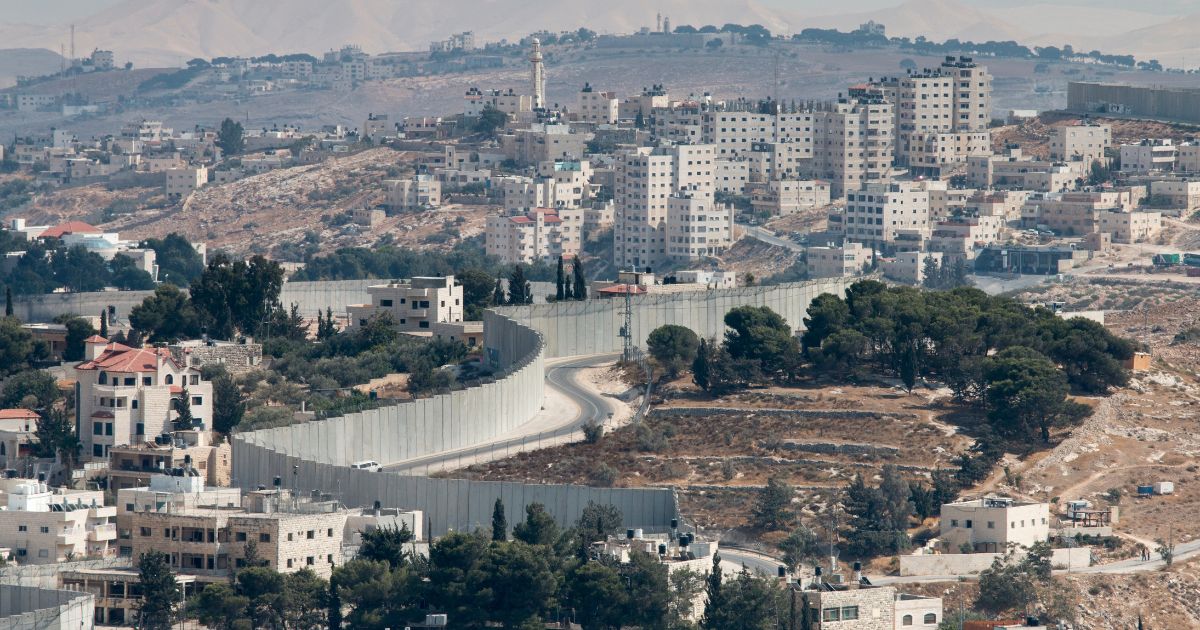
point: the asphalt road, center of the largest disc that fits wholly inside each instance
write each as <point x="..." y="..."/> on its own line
<point x="560" y="376"/>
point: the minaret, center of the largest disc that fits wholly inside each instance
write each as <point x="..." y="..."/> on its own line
<point x="538" y="75"/>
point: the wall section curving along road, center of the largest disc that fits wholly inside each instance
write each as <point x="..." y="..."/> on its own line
<point x="316" y="456"/>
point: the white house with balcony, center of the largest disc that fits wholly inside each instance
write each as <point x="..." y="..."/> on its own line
<point x="40" y="525"/>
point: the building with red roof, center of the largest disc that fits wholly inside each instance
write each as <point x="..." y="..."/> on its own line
<point x="127" y="395"/>
<point x="17" y="429"/>
<point x="541" y="235"/>
<point x="70" y="227"/>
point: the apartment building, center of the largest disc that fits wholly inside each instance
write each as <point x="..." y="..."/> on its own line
<point x="377" y="127"/>
<point x="1187" y="157"/>
<point x="181" y="182"/>
<point x="1176" y="194"/>
<point x="837" y="604"/>
<point x="941" y="114"/>
<point x="697" y="226"/>
<point x="732" y="175"/>
<point x="117" y="592"/>
<point x="1089" y="212"/>
<point x="601" y="108"/>
<point x="559" y="184"/>
<point x="414" y="304"/>
<point x="838" y="261"/>
<point x="542" y="234"/>
<point x="1080" y="143"/>
<point x="289" y="535"/>
<point x="415" y="193"/>
<point x="909" y="266"/>
<point x="880" y="214"/>
<point x="1148" y="156"/>
<point x="41" y="525"/>
<point x="644" y="104"/>
<point x="646" y="180"/>
<point x="123" y="395"/>
<point x="17" y="430"/>
<point x="853" y="142"/>
<point x="992" y="524"/>
<point x="1131" y="227"/>
<point x="519" y="106"/>
<point x="1015" y="171"/>
<point x="735" y="132"/>
<point x="963" y="238"/>
<point x="780" y="160"/>
<point x="544" y="143"/>
<point x="789" y="196"/>
<point x="135" y="465"/>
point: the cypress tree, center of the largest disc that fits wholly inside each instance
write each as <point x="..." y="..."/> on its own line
<point x="498" y="293"/>
<point x="499" y="522"/>
<point x="104" y="324"/>
<point x="558" y="282"/>
<point x="580" y="282"/>
<point x="700" y="367"/>
<point x="8" y="306"/>
<point x="714" y="610"/>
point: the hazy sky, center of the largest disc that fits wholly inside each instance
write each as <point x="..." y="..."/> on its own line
<point x="63" y="11"/>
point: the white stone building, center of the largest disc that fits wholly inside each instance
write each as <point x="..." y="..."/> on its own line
<point x="414" y="304"/>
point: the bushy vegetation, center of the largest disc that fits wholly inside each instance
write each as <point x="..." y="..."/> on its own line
<point x="46" y="268"/>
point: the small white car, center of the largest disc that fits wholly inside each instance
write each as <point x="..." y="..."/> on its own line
<point x="368" y="465"/>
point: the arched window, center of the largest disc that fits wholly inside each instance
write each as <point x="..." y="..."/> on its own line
<point x="104" y="378"/>
<point x="170" y="380"/>
<point x="930" y="618"/>
<point x="906" y="621"/>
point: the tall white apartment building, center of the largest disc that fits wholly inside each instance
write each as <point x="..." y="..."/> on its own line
<point x="646" y="180"/>
<point x="735" y="133"/>
<point x="1148" y="156"/>
<point x="1080" y="143"/>
<point x="414" y="304"/>
<point x="877" y="214"/>
<point x="41" y="525"/>
<point x="123" y="395"/>
<point x="419" y="191"/>
<point x="853" y="142"/>
<point x="697" y="227"/>
<point x="542" y="234"/>
<point x="602" y="108"/>
<point x="941" y="114"/>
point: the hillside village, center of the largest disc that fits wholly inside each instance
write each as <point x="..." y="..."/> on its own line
<point x="566" y="355"/>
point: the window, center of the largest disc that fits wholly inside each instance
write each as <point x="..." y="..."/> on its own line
<point x="312" y="534"/>
<point x="969" y="524"/>
<point x="97" y="428"/>
<point x="330" y="532"/>
<point x="130" y="380"/>
<point x="953" y="522"/>
<point x="22" y="528"/>
<point x="129" y="507"/>
<point x="849" y="613"/>
<point x="104" y="378"/>
<point x="240" y="536"/>
<point x="289" y="563"/>
<point x="930" y="618"/>
<point x="264" y="538"/>
<point x="195" y="379"/>
<point x="289" y="537"/>
<point x="423" y="324"/>
<point x="146" y="380"/>
<point x="169" y="380"/>
<point x="385" y="302"/>
<point x="329" y="558"/>
<point x="133" y="404"/>
<point x="198" y="400"/>
<point x="991" y="524"/>
<point x="906" y="620"/>
<point x="97" y="450"/>
<point x="309" y="561"/>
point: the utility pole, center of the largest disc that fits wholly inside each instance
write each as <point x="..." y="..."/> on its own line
<point x="627" y="328"/>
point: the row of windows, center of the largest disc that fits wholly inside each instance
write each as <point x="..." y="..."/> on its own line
<point x="930" y="618"/>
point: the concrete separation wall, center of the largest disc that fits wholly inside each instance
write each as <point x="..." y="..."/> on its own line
<point x="30" y="608"/>
<point x="592" y="326"/>
<point x="46" y="575"/>
<point x="316" y="455"/>
<point x="310" y="296"/>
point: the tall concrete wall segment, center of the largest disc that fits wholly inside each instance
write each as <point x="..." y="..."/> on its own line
<point x="315" y="456"/>
<point x="311" y="297"/>
<point x="592" y="326"/>
<point x="31" y="608"/>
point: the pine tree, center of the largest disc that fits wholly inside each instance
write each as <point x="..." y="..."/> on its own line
<point x="519" y="290"/>
<point x="498" y="293"/>
<point x="183" y="407"/>
<point x="160" y="592"/>
<point x="700" y="366"/>
<point x="559" y="289"/>
<point x="326" y="327"/>
<point x="104" y="323"/>
<point x="715" y="609"/>
<point x="8" y="304"/>
<point x="930" y="271"/>
<point x="580" y="282"/>
<point x="499" y="522"/>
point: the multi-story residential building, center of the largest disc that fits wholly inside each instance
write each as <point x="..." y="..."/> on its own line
<point x="289" y="535"/>
<point x="542" y="234"/>
<point x="646" y="179"/>
<point x="419" y="191"/>
<point x="941" y="114"/>
<point x="118" y="592"/>
<point x="124" y="395"/>
<point x="1148" y="156"/>
<point x="544" y="143"/>
<point x="181" y="182"/>
<point x="1093" y="211"/>
<point x="789" y="196"/>
<point x="735" y="131"/>
<point x="134" y="465"/>
<point x="879" y="214"/>
<point x="992" y="524"/>
<point x="837" y="261"/>
<point x="1177" y="194"/>
<point x="909" y="266"/>
<point x="853" y="142"/>
<point x="602" y="108"/>
<point x="732" y="175"/>
<point x="963" y="238"/>
<point x="46" y="526"/>
<point x="377" y="127"/>
<point x="571" y="180"/>
<point x="1131" y="227"/>
<point x="17" y="430"/>
<point x="414" y="304"/>
<point x="697" y="226"/>
<point x="519" y="106"/>
<point x="1016" y="171"/>
<point x="644" y="104"/>
<point x="102" y="59"/>
<point x="852" y="605"/>
<point x="1187" y="157"/>
<point x="1080" y="143"/>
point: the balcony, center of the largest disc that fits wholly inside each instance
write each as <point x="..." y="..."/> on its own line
<point x="101" y="533"/>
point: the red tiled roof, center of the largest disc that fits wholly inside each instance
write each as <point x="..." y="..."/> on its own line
<point x="17" y="414"/>
<point x="95" y="339"/>
<point x="70" y="227"/>
<point x="119" y="358"/>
